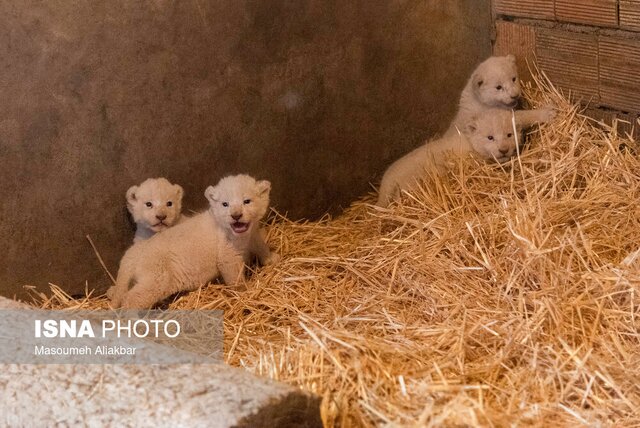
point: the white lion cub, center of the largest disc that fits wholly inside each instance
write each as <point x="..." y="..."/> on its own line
<point x="214" y="243"/>
<point x="155" y="205"/>
<point x="489" y="135"/>
<point x="493" y="84"/>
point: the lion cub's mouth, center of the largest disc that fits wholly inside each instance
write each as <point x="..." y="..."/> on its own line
<point x="160" y="226"/>
<point x="239" y="227"/>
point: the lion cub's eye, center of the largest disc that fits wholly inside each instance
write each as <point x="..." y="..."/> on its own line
<point x="149" y="204"/>
<point x="490" y="138"/>
<point x="169" y="203"/>
<point x="499" y="87"/>
<point x="509" y="135"/>
<point x="247" y="201"/>
<point x="513" y="79"/>
<point x="225" y="204"/>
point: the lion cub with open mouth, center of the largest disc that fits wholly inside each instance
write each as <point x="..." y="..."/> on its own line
<point x="217" y="242"/>
<point x="489" y="136"/>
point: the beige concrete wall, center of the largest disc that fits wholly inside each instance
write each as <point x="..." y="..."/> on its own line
<point x="318" y="96"/>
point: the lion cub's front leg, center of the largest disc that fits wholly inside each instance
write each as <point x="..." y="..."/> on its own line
<point x="528" y="118"/>
<point x="232" y="269"/>
<point x="260" y="248"/>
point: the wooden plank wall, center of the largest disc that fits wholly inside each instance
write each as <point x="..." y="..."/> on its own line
<point x="590" y="49"/>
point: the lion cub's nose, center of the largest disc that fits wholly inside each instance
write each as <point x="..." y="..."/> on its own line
<point x="236" y="217"/>
<point x="504" y="151"/>
<point x="161" y="216"/>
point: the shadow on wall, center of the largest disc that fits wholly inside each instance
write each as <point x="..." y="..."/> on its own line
<point x="318" y="96"/>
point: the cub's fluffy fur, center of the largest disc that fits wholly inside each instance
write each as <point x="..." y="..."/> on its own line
<point x="214" y="243"/>
<point x="493" y="84"/>
<point x="155" y="205"/>
<point x="489" y="136"/>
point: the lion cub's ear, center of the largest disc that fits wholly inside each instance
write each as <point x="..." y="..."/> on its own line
<point x="511" y="58"/>
<point x="211" y="194"/>
<point x="179" y="191"/>
<point x="131" y="196"/>
<point x="264" y="187"/>
<point x="472" y="126"/>
<point x="477" y="80"/>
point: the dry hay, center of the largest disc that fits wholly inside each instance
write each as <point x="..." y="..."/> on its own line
<point x="497" y="296"/>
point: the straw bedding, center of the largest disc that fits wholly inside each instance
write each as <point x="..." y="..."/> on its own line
<point x="498" y="295"/>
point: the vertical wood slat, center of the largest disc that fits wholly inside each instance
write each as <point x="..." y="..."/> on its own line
<point x="519" y="40"/>
<point x="570" y="60"/>
<point x="536" y="9"/>
<point x="630" y="14"/>
<point x="620" y="73"/>
<point x="591" y="12"/>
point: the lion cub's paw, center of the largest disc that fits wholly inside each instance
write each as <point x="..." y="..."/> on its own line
<point x="271" y="259"/>
<point x="547" y="114"/>
<point x="111" y="292"/>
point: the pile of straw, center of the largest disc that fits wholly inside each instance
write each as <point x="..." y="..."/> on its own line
<point x="498" y="295"/>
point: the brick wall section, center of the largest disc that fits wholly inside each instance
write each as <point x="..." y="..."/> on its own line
<point x="590" y="49"/>
<point x="620" y="72"/>
<point x="570" y="60"/>
<point x="593" y="12"/>
<point x="630" y="14"/>
<point x="538" y="9"/>
<point x="518" y="40"/>
<point x="624" y="123"/>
